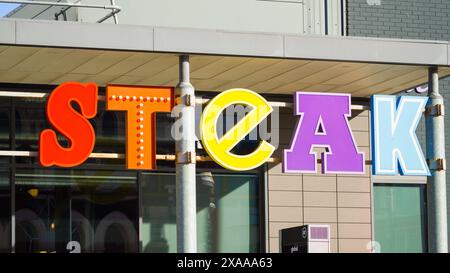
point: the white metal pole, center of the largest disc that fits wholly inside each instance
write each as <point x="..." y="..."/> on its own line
<point x="436" y="184"/>
<point x="185" y="163"/>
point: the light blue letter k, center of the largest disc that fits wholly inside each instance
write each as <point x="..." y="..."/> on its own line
<point x="396" y="148"/>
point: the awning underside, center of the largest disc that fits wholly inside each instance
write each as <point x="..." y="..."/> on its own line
<point x="44" y="65"/>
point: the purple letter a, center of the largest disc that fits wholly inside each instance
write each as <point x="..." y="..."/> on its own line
<point x="323" y="123"/>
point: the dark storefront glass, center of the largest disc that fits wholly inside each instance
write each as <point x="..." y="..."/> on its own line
<point x="96" y="207"/>
<point x="96" y="210"/>
<point x="5" y="206"/>
<point x="4" y="123"/>
<point x="5" y="190"/>
<point x="31" y="120"/>
<point x="227" y="207"/>
<point x="109" y="129"/>
<point x="90" y="210"/>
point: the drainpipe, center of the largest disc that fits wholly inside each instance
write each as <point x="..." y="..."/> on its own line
<point x="436" y="188"/>
<point x="185" y="163"/>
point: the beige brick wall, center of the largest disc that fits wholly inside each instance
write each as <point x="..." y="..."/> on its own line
<point x="342" y="201"/>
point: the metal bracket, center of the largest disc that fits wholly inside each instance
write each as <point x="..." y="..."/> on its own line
<point x="436" y="110"/>
<point x="188" y="100"/>
<point x="185" y="158"/>
<point x="439" y="164"/>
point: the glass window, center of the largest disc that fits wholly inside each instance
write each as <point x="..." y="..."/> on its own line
<point x="95" y="207"/>
<point x="400" y="217"/>
<point x="30" y="120"/>
<point x="227" y="212"/>
<point x="4" y="123"/>
<point x="109" y="129"/>
<point x="88" y="211"/>
<point x="5" y="206"/>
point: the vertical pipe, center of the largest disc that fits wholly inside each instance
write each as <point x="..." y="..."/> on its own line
<point x="436" y="188"/>
<point x="185" y="163"/>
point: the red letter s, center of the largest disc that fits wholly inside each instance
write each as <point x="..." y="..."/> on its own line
<point x="71" y="124"/>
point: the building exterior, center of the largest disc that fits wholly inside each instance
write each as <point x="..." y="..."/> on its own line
<point x="272" y="47"/>
<point x="427" y="20"/>
<point x="296" y="17"/>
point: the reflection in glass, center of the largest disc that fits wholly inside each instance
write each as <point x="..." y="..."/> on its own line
<point x="109" y="129"/>
<point x="5" y="211"/>
<point x="30" y="120"/>
<point x="400" y="218"/>
<point x="4" y="123"/>
<point x="227" y="207"/>
<point x="97" y="209"/>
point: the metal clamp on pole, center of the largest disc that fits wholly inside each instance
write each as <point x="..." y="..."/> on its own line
<point x="187" y="100"/>
<point x="436" y="110"/>
<point x="438" y="164"/>
<point x="185" y="158"/>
